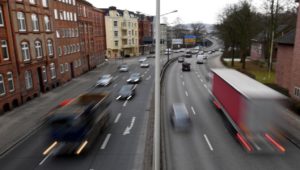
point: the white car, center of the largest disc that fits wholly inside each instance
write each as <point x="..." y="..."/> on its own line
<point x="124" y="68"/>
<point x="144" y="65"/>
<point x="104" y="80"/>
<point x="200" y="59"/>
<point x="142" y="59"/>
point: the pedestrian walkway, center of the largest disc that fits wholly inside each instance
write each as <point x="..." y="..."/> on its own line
<point x="24" y="120"/>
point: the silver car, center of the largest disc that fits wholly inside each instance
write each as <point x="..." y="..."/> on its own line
<point x="144" y="65"/>
<point x="124" y="68"/>
<point x="104" y="80"/>
<point x="180" y="118"/>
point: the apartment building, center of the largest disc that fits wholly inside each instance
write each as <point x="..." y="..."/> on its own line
<point x="33" y="36"/>
<point x="145" y="34"/>
<point x="122" y="38"/>
<point x="91" y="34"/>
<point x="70" y="62"/>
<point x="10" y="96"/>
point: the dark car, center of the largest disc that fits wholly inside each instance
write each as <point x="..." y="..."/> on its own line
<point x="186" y="66"/>
<point x="179" y="117"/>
<point x="180" y="59"/>
<point x="126" y="92"/>
<point x="134" y="78"/>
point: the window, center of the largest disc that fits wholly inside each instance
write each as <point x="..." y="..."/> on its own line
<point x="35" y="22"/>
<point x="44" y="74"/>
<point x="115" y="23"/>
<point x="297" y="92"/>
<point x="52" y="71"/>
<point x="75" y="64"/>
<point x="28" y="80"/>
<point x="50" y="47"/>
<point x="38" y="49"/>
<point x="59" y="51"/>
<point x="1" y="17"/>
<point x="5" y="52"/>
<point x="32" y="1"/>
<point x="116" y="33"/>
<point x="21" y="21"/>
<point x="66" y="67"/>
<point x="45" y="3"/>
<point x="10" y="80"/>
<point x="2" y="87"/>
<point x="79" y="62"/>
<point x="65" y="50"/>
<point x="62" y="69"/>
<point x="55" y="14"/>
<point x="116" y="43"/>
<point x="57" y="34"/>
<point x="47" y="23"/>
<point x="75" y="17"/>
<point x="74" y="3"/>
<point x="25" y="51"/>
<point x="61" y="15"/>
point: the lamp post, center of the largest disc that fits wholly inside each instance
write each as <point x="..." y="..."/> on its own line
<point x="156" y="140"/>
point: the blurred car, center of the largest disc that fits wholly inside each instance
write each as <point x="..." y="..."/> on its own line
<point x="104" y="80"/>
<point x="142" y="59"/>
<point x="151" y="56"/>
<point x="180" y="59"/>
<point x="182" y="50"/>
<point x="187" y="55"/>
<point x="134" y="78"/>
<point x="126" y="92"/>
<point x="144" y="65"/>
<point x="186" y="66"/>
<point x="124" y="68"/>
<point x="177" y="51"/>
<point x="200" y="59"/>
<point x="179" y="117"/>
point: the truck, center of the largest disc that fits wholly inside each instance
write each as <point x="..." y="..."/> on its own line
<point x="250" y="109"/>
<point x="75" y="123"/>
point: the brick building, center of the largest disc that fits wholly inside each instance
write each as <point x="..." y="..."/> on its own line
<point x="145" y="33"/>
<point x="91" y="33"/>
<point x="9" y="81"/>
<point x="70" y="62"/>
<point x="295" y="75"/>
<point x="33" y="35"/>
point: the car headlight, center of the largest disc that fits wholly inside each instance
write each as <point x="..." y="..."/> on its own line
<point x="128" y="80"/>
<point x="136" y="80"/>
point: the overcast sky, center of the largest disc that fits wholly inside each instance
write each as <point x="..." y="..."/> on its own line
<point x="189" y="11"/>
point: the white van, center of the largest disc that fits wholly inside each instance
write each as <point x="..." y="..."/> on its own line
<point x="200" y="59"/>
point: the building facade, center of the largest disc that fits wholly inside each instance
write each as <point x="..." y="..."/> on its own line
<point x="10" y="96"/>
<point x="70" y="62"/>
<point x="33" y="35"/>
<point x="145" y="34"/>
<point x="122" y="38"/>
<point x="92" y="34"/>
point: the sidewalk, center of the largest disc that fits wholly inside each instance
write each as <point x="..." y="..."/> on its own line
<point x="26" y="119"/>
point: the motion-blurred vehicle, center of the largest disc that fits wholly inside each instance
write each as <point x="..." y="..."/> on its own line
<point x="104" y="80"/>
<point x="124" y="68"/>
<point x="75" y="123"/>
<point x="186" y="66"/>
<point x="144" y="65"/>
<point x="200" y="59"/>
<point x="188" y="55"/>
<point x="143" y="59"/>
<point x="151" y="56"/>
<point x="134" y="78"/>
<point x="251" y="109"/>
<point x="179" y="116"/>
<point x="180" y="59"/>
<point x="126" y="92"/>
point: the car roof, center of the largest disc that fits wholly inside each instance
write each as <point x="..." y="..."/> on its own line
<point x="180" y="110"/>
<point x="135" y="74"/>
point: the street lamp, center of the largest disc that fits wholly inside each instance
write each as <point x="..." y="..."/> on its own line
<point x="156" y="140"/>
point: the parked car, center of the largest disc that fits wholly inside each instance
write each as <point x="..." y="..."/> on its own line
<point x="186" y="66"/>
<point x="134" y="78"/>
<point x="124" y="68"/>
<point x="144" y="65"/>
<point x="104" y="80"/>
<point x="179" y="116"/>
<point x="126" y="92"/>
<point x="180" y="59"/>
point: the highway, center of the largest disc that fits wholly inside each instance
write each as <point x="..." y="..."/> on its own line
<point x="120" y="146"/>
<point x="208" y="145"/>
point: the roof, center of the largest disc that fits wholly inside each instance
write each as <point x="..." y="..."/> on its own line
<point x="121" y="12"/>
<point x="288" y="38"/>
<point x="247" y="86"/>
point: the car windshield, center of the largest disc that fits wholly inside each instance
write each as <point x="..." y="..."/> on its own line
<point x="125" y="89"/>
<point x="135" y="75"/>
<point x="106" y="76"/>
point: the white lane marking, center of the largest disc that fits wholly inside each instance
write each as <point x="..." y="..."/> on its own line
<point x="183" y="83"/>
<point x="128" y="128"/>
<point x="208" y="142"/>
<point x="125" y="103"/>
<point x="193" y="110"/>
<point x="117" y="118"/>
<point x="186" y="93"/>
<point x="115" y="85"/>
<point x="103" y="146"/>
<point x="41" y="163"/>
<point x="135" y="86"/>
<point x="205" y="85"/>
<point x="148" y="78"/>
<point x="201" y="80"/>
